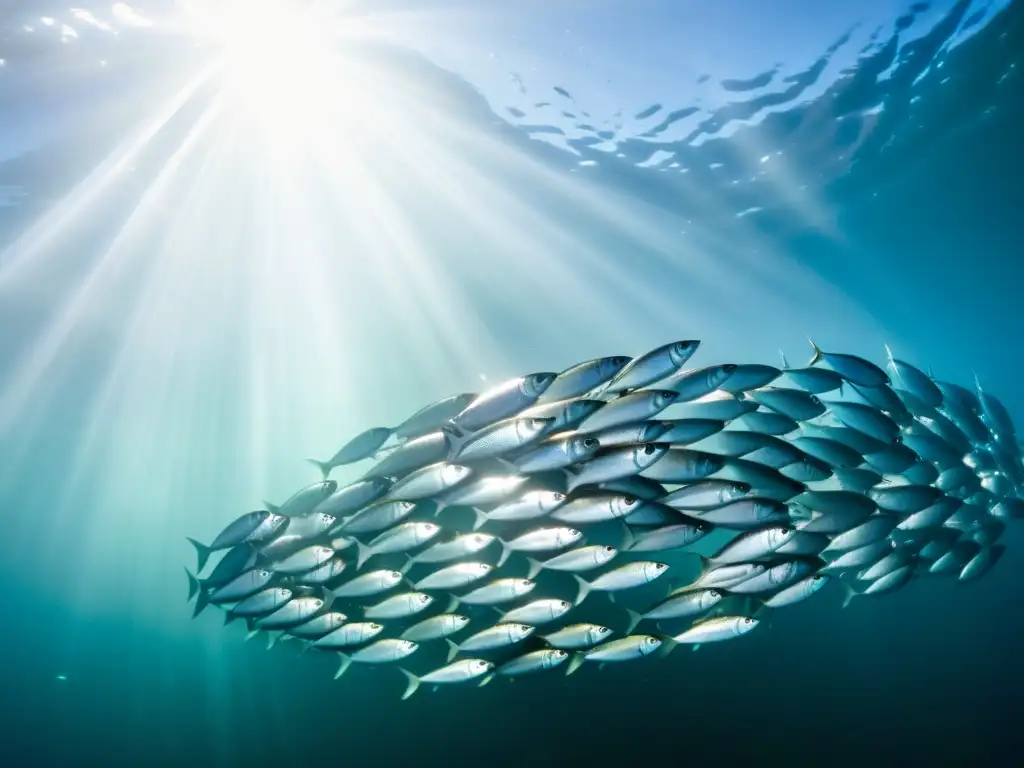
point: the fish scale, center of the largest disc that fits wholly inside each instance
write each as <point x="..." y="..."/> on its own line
<point x="914" y="480"/>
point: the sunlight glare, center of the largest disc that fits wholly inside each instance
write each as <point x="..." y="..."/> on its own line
<point x="277" y="58"/>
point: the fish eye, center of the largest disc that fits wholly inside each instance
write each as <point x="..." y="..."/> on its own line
<point x="629" y="501"/>
<point x="898" y="440"/>
<point x="574" y="532"/>
<point x="603" y="630"/>
<point x="395" y="575"/>
<point x="649" y="449"/>
<point x="558" y="496"/>
<point x="715" y="593"/>
<point x="566" y="605"/>
<point x="609" y="549"/>
<point x="527" y="582"/>
<point x="819" y="577"/>
<point x="660" y="566"/>
<point x="748" y="620"/>
<point x="589" y="442"/>
<point x="375" y="626"/>
<point x="318" y="603"/>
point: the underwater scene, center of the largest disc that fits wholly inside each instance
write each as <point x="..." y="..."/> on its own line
<point x="469" y="382"/>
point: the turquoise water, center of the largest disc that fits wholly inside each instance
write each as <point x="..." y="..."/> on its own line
<point x="206" y="276"/>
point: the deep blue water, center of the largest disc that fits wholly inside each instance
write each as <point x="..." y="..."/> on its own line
<point x="476" y="194"/>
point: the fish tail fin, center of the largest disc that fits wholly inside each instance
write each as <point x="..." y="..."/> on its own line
<point x="363" y="553"/>
<point x="505" y="554"/>
<point x="584" y="590"/>
<point x="628" y="539"/>
<point x="817" y="355"/>
<point x="453" y="650"/>
<point x="324" y="467"/>
<point x="202" y="600"/>
<point x="536" y="566"/>
<point x="785" y="362"/>
<point x="848" y="593"/>
<point x="409" y="563"/>
<point x="574" y="663"/>
<point x="480" y="519"/>
<point x="414" y="683"/>
<point x="634" y="619"/>
<point x="229" y="617"/>
<point x="344" y="663"/>
<point x="194" y="585"/>
<point x="452" y="605"/>
<point x="203" y="553"/>
<point x="439" y="506"/>
<point x="272" y="638"/>
<point x="500" y="612"/>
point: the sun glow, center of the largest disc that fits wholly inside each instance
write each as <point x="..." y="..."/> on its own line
<point x="279" y="60"/>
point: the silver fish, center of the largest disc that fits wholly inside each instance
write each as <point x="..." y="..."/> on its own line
<point x="459" y="672"/>
<point x="723" y="576"/>
<point x="768" y="422"/>
<point x="248" y="528"/>
<point x="687" y="431"/>
<point x="700" y="382"/>
<point x="630" y="434"/>
<point x="680" y="465"/>
<point x="577" y="636"/>
<point x="852" y="368"/>
<point x="529" y="506"/>
<point x="866" y="419"/>
<point x="777" y="576"/>
<point x="398" y="539"/>
<point x="744" y="514"/>
<point x="399" y="606"/>
<point x="498" y="636"/>
<point x="628" y="409"/>
<point x="859" y="558"/>
<point x="360" y="447"/>
<point x="905" y="499"/>
<point x="797" y="593"/>
<point x="653" y="366"/>
<point x="367" y="584"/>
<point x="982" y="563"/>
<point x="502" y="401"/>
<point x="575" y="560"/>
<point x="377" y="516"/>
<point x="435" y="628"/>
<point x="380" y="652"/>
<point x="584" y="377"/>
<point x="615" y="463"/>
<point x="623" y="649"/>
<point x="915" y="381"/>
<point x="750" y="376"/>
<point x="627" y="576"/>
<point x="349" y="634"/>
<point x="682" y="605"/>
<point x="875" y="528"/>
<point x="445" y="551"/>
<point x="706" y="494"/>
<point x="754" y="544"/>
<point x="262" y="602"/>
<point x="794" y="403"/>
<point x="433" y="417"/>
<point x="536" y="661"/>
<point x="538" y="612"/>
<point x="482" y="491"/>
<point x="498" y="591"/>
<point x="718" y="629"/>
<point x="414" y="454"/>
<point x="831" y="451"/>
<point x="539" y="540"/>
<point x="297" y="611"/>
<point x="668" y="537"/>
<point x="501" y="438"/>
<point x="596" y="507"/>
<point x="305" y="560"/>
<point x="454" y="576"/>
<point x="565" y="414"/>
<point x="304" y="501"/>
<point x="429" y="481"/>
<point x="556" y="453"/>
<point x="354" y="496"/>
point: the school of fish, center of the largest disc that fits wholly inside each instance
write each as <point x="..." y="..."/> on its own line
<point x="486" y="521"/>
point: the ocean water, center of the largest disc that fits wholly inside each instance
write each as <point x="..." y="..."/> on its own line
<point x="229" y="242"/>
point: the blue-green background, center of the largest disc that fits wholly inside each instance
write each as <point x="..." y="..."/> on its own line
<point x="921" y="246"/>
